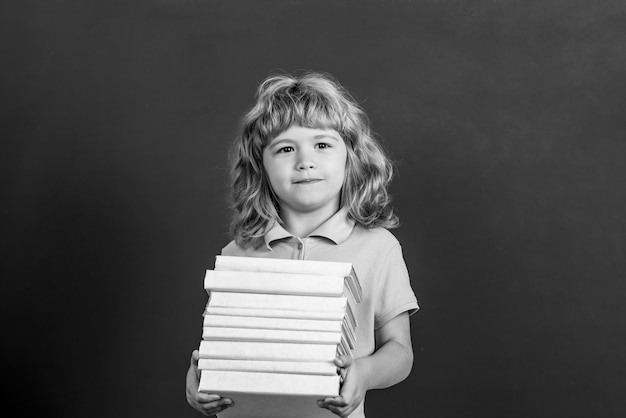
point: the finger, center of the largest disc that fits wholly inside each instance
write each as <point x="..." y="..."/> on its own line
<point x="336" y="401"/>
<point x="195" y="355"/>
<point x="337" y="410"/>
<point x="218" y="406"/>
<point x="343" y="372"/>
<point x="207" y="397"/>
<point x="343" y="361"/>
<point x="192" y="381"/>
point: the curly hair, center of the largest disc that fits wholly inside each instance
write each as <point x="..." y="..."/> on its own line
<point x="313" y="100"/>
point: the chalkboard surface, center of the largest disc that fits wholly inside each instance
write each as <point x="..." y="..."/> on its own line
<point x="507" y="124"/>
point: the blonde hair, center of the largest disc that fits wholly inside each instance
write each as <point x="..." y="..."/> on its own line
<point x="313" y="100"/>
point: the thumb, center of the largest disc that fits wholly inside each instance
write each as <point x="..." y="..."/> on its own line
<point x="195" y="355"/>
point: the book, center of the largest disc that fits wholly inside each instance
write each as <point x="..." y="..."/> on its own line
<point x="274" y="313"/>
<point x="232" y="321"/>
<point x="222" y="319"/>
<point x="272" y="301"/>
<point x="272" y="265"/>
<point x="294" y="367"/>
<point x="270" y="351"/>
<point x="349" y="334"/>
<point x="283" y="302"/>
<point x="219" y="381"/>
<point x="272" y="335"/>
<point x="278" y="283"/>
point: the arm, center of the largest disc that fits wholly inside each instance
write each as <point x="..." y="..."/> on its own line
<point x="207" y="404"/>
<point x="390" y="364"/>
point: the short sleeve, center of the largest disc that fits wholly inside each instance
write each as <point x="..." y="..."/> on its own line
<point x="393" y="288"/>
<point x="232" y="249"/>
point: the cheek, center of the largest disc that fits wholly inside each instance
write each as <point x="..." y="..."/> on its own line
<point x="347" y="168"/>
<point x="344" y="173"/>
<point x="268" y="171"/>
<point x="270" y="176"/>
<point x="276" y="176"/>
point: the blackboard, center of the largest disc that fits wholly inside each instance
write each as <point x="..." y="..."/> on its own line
<point x="506" y="122"/>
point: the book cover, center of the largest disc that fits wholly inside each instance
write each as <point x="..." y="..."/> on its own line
<point x="271" y="335"/>
<point x="272" y="265"/>
<point x="273" y="301"/>
<point x="293" y="367"/>
<point x="275" y="313"/>
<point x="280" y="283"/>
<point x="231" y="321"/>
<point x="272" y="351"/>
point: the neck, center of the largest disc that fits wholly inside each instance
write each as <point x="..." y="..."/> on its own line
<point x="302" y="224"/>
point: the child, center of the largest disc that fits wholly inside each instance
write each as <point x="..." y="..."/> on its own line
<point x="309" y="183"/>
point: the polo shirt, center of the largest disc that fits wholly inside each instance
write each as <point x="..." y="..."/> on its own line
<point x="377" y="259"/>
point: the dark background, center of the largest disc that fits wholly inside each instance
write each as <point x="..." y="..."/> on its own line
<point x="505" y="118"/>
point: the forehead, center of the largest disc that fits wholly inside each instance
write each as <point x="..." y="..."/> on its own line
<point x="302" y="133"/>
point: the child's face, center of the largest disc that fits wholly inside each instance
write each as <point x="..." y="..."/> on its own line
<point x="306" y="168"/>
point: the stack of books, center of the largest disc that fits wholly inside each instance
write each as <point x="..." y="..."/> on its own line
<point x="271" y="330"/>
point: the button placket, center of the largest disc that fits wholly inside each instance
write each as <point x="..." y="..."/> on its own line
<point x="300" y="249"/>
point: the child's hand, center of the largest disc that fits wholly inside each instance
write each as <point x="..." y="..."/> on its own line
<point x="352" y="389"/>
<point x="207" y="404"/>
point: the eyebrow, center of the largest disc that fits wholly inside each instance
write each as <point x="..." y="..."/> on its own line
<point x="316" y="137"/>
<point x="322" y="136"/>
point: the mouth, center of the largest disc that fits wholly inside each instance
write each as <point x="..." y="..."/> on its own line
<point x="307" y="181"/>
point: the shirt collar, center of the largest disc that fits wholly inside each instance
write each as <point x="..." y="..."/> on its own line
<point x="337" y="229"/>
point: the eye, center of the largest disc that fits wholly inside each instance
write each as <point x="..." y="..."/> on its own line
<point x="322" y="145"/>
<point x="285" y="149"/>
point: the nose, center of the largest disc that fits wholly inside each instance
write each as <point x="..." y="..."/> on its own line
<point x="306" y="166"/>
<point x="305" y="163"/>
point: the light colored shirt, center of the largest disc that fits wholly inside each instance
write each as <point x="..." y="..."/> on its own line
<point x="376" y="256"/>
